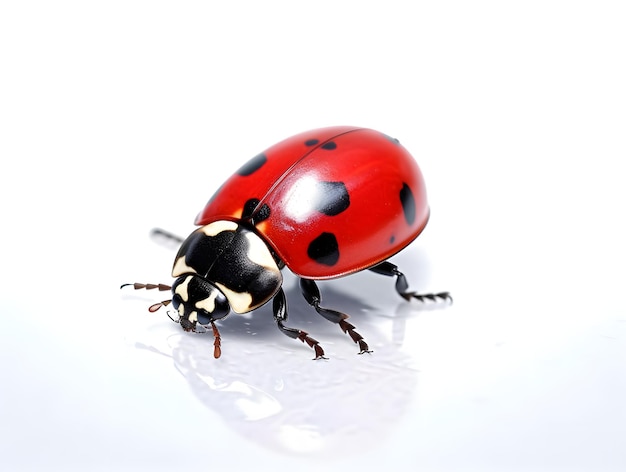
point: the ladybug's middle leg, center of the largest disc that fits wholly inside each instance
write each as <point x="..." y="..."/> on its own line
<point x="402" y="286"/>
<point x="280" y="315"/>
<point x="313" y="297"/>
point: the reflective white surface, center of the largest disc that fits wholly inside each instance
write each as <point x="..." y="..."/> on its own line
<point x="120" y="117"/>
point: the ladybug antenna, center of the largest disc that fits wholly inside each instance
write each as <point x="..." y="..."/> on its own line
<point x="160" y="287"/>
<point x="217" y="343"/>
<point x="156" y="306"/>
<point x="136" y="286"/>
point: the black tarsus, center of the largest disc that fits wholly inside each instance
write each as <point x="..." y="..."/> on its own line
<point x="166" y="235"/>
<point x="312" y="295"/>
<point x="280" y="315"/>
<point x="402" y="286"/>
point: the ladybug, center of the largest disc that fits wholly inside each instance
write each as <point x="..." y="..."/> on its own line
<point x="325" y="203"/>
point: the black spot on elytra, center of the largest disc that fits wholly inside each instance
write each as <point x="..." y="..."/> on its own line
<point x="262" y="213"/>
<point x="252" y="165"/>
<point x="332" y="198"/>
<point x="324" y="249"/>
<point x="311" y="142"/>
<point x="249" y="207"/>
<point x="408" y="204"/>
<point x="253" y="212"/>
<point x="392" y="239"/>
<point x="329" y="146"/>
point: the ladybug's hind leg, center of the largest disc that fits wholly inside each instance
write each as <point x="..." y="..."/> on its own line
<point x="280" y="315"/>
<point x="402" y="286"/>
<point x="313" y="297"/>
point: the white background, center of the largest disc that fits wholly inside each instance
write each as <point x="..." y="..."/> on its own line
<point x="119" y="116"/>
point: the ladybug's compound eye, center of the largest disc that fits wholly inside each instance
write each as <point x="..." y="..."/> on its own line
<point x="198" y="301"/>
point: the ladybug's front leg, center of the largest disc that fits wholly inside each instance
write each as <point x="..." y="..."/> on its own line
<point x="280" y="315"/>
<point x="402" y="286"/>
<point x="313" y="297"/>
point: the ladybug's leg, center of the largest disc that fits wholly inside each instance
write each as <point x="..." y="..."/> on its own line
<point x="166" y="238"/>
<point x="313" y="297"/>
<point x="280" y="315"/>
<point x="402" y="286"/>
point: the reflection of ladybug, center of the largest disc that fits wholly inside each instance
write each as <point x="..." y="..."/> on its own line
<point x="325" y="203"/>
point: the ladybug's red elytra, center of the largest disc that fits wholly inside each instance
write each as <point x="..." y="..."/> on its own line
<point x="325" y="203"/>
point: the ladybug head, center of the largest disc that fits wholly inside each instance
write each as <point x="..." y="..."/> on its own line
<point x="198" y="301"/>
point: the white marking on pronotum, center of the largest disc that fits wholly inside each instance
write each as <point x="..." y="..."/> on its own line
<point x="217" y="227"/>
<point x="260" y="254"/>
<point x="240" y="302"/>
<point x="181" y="267"/>
<point x="208" y="303"/>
